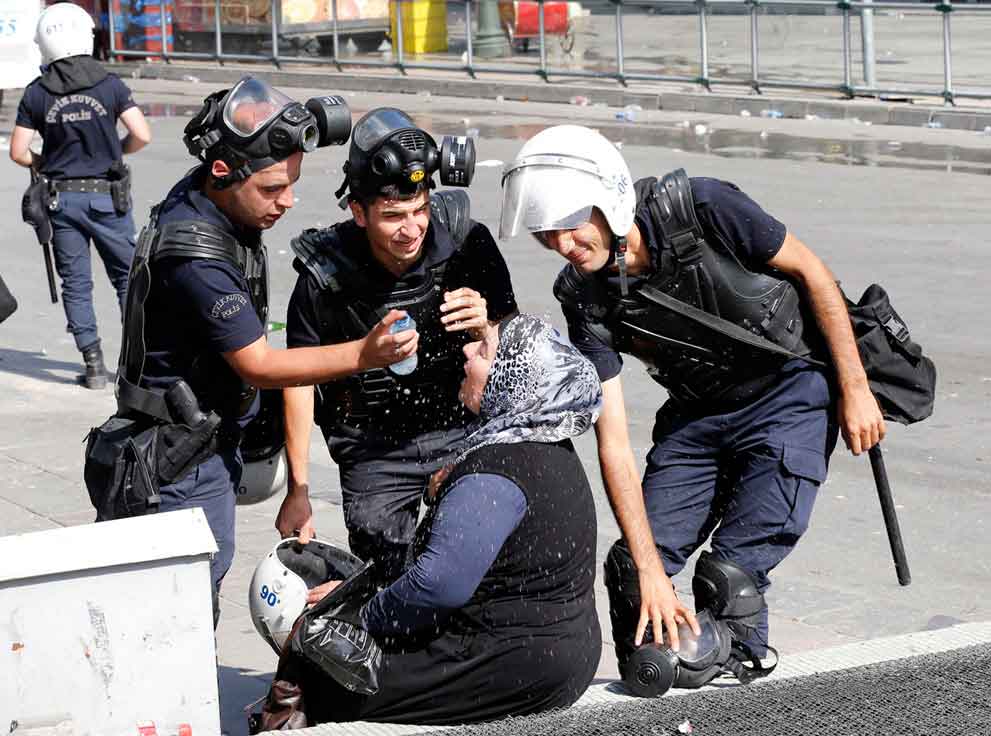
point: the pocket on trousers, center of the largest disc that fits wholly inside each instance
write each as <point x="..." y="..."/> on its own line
<point x="101" y="206"/>
<point x="804" y="470"/>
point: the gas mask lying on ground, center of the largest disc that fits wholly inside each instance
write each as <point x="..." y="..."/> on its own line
<point x="729" y="608"/>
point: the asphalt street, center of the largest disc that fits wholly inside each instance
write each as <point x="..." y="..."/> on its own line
<point x="907" y="208"/>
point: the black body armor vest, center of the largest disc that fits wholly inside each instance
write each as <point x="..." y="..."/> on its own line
<point x="707" y="328"/>
<point x="211" y="378"/>
<point x="349" y="306"/>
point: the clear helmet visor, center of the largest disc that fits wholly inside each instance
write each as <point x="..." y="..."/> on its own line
<point x="251" y="105"/>
<point x="378" y="125"/>
<point x="539" y="197"/>
<point x="695" y="649"/>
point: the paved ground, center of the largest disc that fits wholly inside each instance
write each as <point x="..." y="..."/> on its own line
<point x="903" y="206"/>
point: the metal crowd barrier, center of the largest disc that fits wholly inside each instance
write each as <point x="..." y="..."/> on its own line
<point x="756" y="82"/>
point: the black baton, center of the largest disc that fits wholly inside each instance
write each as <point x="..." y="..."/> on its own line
<point x="890" y="517"/>
<point x="46" y="248"/>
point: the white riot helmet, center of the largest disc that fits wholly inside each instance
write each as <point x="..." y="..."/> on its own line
<point x="262" y="478"/>
<point x="64" y="30"/>
<point x="278" y="590"/>
<point x="263" y="452"/>
<point x="559" y="176"/>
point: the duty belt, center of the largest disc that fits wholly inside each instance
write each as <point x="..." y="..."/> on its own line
<point x="93" y="186"/>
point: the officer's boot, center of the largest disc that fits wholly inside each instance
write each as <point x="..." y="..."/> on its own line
<point x="96" y="371"/>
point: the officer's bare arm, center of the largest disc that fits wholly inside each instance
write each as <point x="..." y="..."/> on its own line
<point x="263" y="366"/>
<point x="296" y="512"/>
<point x="20" y="146"/>
<point x="858" y="412"/>
<point x="658" y="602"/>
<point x="138" y="133"/>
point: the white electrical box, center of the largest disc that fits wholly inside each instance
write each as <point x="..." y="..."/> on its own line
<point x="107" y="628"/>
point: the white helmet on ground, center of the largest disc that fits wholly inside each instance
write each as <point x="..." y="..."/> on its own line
<point x="559" y="176"/>
<point x="277" y="594"/>
<point x="64" y="30"/>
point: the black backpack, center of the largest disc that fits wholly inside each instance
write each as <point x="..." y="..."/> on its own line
<point x="902" y="379"/>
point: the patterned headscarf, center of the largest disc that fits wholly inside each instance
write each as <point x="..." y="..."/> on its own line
<point x="540" y="389"/>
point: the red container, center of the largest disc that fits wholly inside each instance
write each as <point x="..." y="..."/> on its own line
<point x="528" y="19"/>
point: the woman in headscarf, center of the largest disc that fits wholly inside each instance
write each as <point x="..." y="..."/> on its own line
<point x="496" y="615"/>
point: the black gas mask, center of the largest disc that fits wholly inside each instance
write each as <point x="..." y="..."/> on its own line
<point x="729" y="606"/>
<point x="387" y="148"/>
<point x="253" y="125"/>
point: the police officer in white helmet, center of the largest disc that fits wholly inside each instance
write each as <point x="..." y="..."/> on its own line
<point x="745" y="328"/>
<point x="75" y="106"/>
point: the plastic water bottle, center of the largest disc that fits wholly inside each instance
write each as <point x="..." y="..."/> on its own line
<point x="407" y="365"/>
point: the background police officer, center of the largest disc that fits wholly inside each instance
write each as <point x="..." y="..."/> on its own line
<point x="75" y="105"/>
<point x="198" y="301"/>
<point x="742" y="444"/>
<point x="388" y="432"/>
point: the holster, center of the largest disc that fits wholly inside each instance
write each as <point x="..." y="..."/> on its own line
<point x="181" y="447"/>
<point x="130" y="456"/>
<point x="119" y="176"/>
<point x="36" y="208"/>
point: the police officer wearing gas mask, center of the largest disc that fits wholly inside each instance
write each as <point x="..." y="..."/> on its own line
<point x="745" y="328"/>
<point x="388" y="430"/>
<point x="194" y="348"/>
<point x="75" y="106"/>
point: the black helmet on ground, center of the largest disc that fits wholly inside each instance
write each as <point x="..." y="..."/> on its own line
<point x="253" y="125"/>
<point x="387" y="148"/>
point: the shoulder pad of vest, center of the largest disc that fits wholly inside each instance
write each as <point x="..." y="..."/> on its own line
<point x="197" y="239"/>
<point x="584" y="294"/>
<point x="452" y="208"/>
<point x="318" y="252"/>
<point x="569" y="286"/>
<point x="673" y="205"/>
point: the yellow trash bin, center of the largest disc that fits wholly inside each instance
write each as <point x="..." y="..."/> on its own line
<point x="424" y="26"/>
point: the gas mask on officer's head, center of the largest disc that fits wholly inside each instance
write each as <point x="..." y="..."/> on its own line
<point x="253" y="125"/>
<point x="387" y="148"/>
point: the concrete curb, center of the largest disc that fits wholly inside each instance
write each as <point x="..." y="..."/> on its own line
<point x="812" y="662"/>
<point x="875" y="112"/>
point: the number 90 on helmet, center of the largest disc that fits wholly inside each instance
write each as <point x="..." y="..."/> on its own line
<point x="281" y="581"/>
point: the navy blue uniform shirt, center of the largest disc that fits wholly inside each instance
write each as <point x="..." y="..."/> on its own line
<point x="728" y="218"/>
<point x="79" y="129"/>
<point x="197" y="309"/>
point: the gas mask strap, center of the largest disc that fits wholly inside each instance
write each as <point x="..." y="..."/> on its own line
<point x="756" y="669"/>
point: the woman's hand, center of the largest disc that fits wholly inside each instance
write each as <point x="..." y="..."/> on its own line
<point x="465" y="309"/>
<point x="437" y="480"/>
<point x="318" y="593"/>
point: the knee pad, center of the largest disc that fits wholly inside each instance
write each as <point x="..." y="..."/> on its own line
<point x="729" y="592"/>
<point x="623" y="586"/>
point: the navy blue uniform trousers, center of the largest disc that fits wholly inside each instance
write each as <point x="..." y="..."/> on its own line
<point x="381" y="487"/>
<point x="748" y="477"/>
<point x="211" y="486"/>
<point x="83" y="217"/>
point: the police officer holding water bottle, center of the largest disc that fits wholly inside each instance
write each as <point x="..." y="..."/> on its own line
<point x="407" y="253"/>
